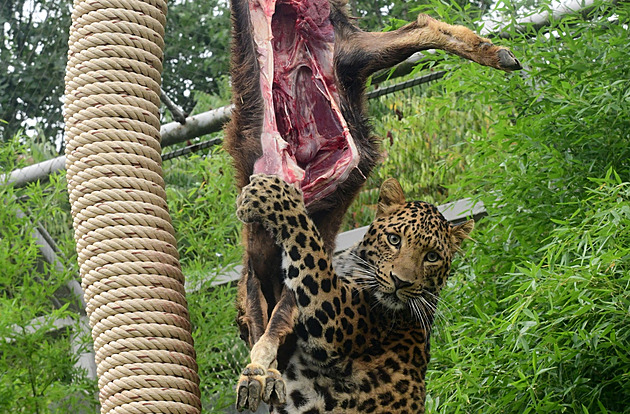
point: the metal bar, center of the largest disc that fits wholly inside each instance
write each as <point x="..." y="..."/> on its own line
<point x="405" y="85"/>
<point x="35" y="172"/>
<point x="195" y="126"/>
<point x="174" y="133"/>
<point x="191" y="148"/>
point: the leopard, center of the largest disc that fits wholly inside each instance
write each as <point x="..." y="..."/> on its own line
<point x="362" y="321"/>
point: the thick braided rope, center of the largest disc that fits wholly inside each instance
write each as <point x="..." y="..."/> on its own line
<point x="125" y="241"/>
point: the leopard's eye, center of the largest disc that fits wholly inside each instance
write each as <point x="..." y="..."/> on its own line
<point x="432" y="257"/>
<point x="393" y="239"/>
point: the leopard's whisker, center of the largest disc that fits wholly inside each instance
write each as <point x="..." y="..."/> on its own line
<point x="443" y="305"/>
<point x="364" y="280"/>
<point x="363" y="271"/>
<point x="414" y="310"/>
<point x="429" y="305"/>
<point x="364" y="262"/>
<point x="359" y="275"/>
<point x="418" y="311"/>
<point x="429" y="312"/>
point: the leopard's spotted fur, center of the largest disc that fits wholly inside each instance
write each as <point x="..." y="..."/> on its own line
<point x="363" y="331"/>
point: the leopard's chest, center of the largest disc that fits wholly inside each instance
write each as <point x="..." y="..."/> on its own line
<point x="388" y="383"/>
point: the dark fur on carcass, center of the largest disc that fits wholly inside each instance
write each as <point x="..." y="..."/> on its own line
<point x="262" y="303"/>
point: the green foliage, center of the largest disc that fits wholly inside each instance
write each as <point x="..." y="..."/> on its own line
<point x="27" y="52"/>
<point x="37" y="372"/>
<point x="422" y="131"/>
<point x="375" y="14"/>
<point x="545" y="335"/>
<point x="197" y="52"/>
<point x="35" y="42"/>
<point x="201" y="194"/>
<point x="221" y="354"/>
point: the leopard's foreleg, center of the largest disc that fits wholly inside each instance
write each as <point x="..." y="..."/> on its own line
<point x="307" y="267"/>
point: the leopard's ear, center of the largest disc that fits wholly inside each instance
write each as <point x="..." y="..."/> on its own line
<point x="461" y="232"/>
<point x="391" y="195"/>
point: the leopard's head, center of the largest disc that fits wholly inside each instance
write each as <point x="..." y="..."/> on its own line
<point x="405" y="256"/>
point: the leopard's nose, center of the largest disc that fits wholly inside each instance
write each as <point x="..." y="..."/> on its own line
<point x="399" y="283"/>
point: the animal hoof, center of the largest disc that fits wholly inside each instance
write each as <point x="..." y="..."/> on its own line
<point x="508" y="61"/>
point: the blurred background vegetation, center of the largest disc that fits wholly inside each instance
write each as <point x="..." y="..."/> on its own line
<point x="536" y="315"/>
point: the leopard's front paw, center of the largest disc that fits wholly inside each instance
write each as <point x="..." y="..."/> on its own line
<point x="257" y="384"/>
<point x="264" y="197"/>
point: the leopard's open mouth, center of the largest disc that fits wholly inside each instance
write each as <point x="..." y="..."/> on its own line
<point x="305" y="139"/>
